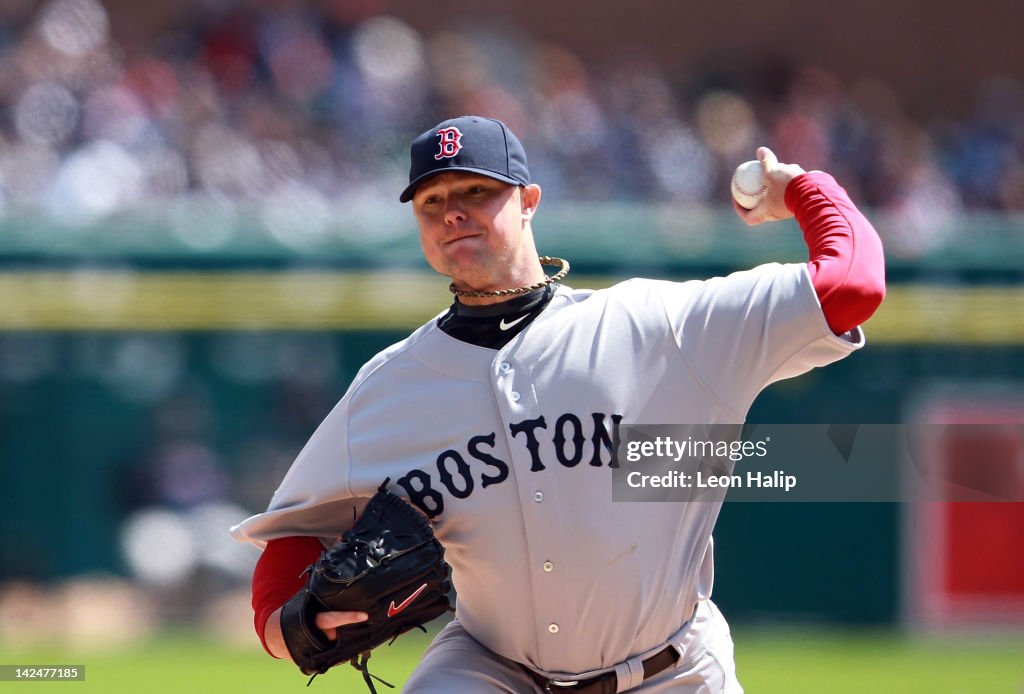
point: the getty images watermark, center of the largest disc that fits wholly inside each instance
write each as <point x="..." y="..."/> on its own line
<point x="666" y="447"/>
<point x="820" y="462"/>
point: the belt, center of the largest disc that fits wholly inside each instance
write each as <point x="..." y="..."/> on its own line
<point x="607" y="683"/>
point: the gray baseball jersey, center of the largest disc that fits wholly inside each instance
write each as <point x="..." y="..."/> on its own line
<point x="508" y="452"/>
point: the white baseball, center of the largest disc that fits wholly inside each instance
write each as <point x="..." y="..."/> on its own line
<point x="748" y="187"/>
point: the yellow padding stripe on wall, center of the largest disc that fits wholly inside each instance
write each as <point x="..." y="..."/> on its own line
<point x="268" y="300"/>
<point x="218" y="300"/>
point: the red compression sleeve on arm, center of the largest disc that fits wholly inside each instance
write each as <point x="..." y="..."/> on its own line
<point x="278" y="576"/>
<point x="846" y="263"/>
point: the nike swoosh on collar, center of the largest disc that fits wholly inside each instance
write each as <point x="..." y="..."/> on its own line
<point x="505" y="326"/>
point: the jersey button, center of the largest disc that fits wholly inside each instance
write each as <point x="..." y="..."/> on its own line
<point x="515" y="396"/>
<point x="505" y="366"/>
<point x="538" y="497"/>
<point x="549" y="567"/>
<point x="553" y="628"/>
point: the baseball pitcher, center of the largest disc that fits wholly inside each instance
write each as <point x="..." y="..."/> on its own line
<point x="496" y="421"/>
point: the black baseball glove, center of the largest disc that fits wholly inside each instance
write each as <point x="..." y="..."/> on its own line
<point x="389" y="565"/>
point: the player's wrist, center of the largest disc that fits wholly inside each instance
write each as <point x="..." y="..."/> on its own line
<point x="273" y="638"/>
<point x="803" y="185"/>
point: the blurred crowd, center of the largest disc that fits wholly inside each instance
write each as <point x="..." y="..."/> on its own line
<point x="303" y="108"/>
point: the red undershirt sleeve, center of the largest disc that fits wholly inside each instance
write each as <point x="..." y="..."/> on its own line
<point x="278" y="576"/>
<point x="846" y="263"/>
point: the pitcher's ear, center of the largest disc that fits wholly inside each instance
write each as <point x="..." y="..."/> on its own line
<point x="529" y="197"/>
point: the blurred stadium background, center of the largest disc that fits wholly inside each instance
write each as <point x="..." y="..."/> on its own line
<point x="200" y="243"/>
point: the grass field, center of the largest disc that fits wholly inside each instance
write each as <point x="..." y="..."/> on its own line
<point x="770" y="661"/>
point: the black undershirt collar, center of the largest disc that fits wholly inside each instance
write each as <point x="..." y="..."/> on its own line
<point x="494" y="325"/>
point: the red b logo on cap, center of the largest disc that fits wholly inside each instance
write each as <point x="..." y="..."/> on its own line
<point x="449" y="143"/>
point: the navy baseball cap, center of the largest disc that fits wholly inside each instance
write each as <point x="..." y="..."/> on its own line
<point x="468" y="143"/>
